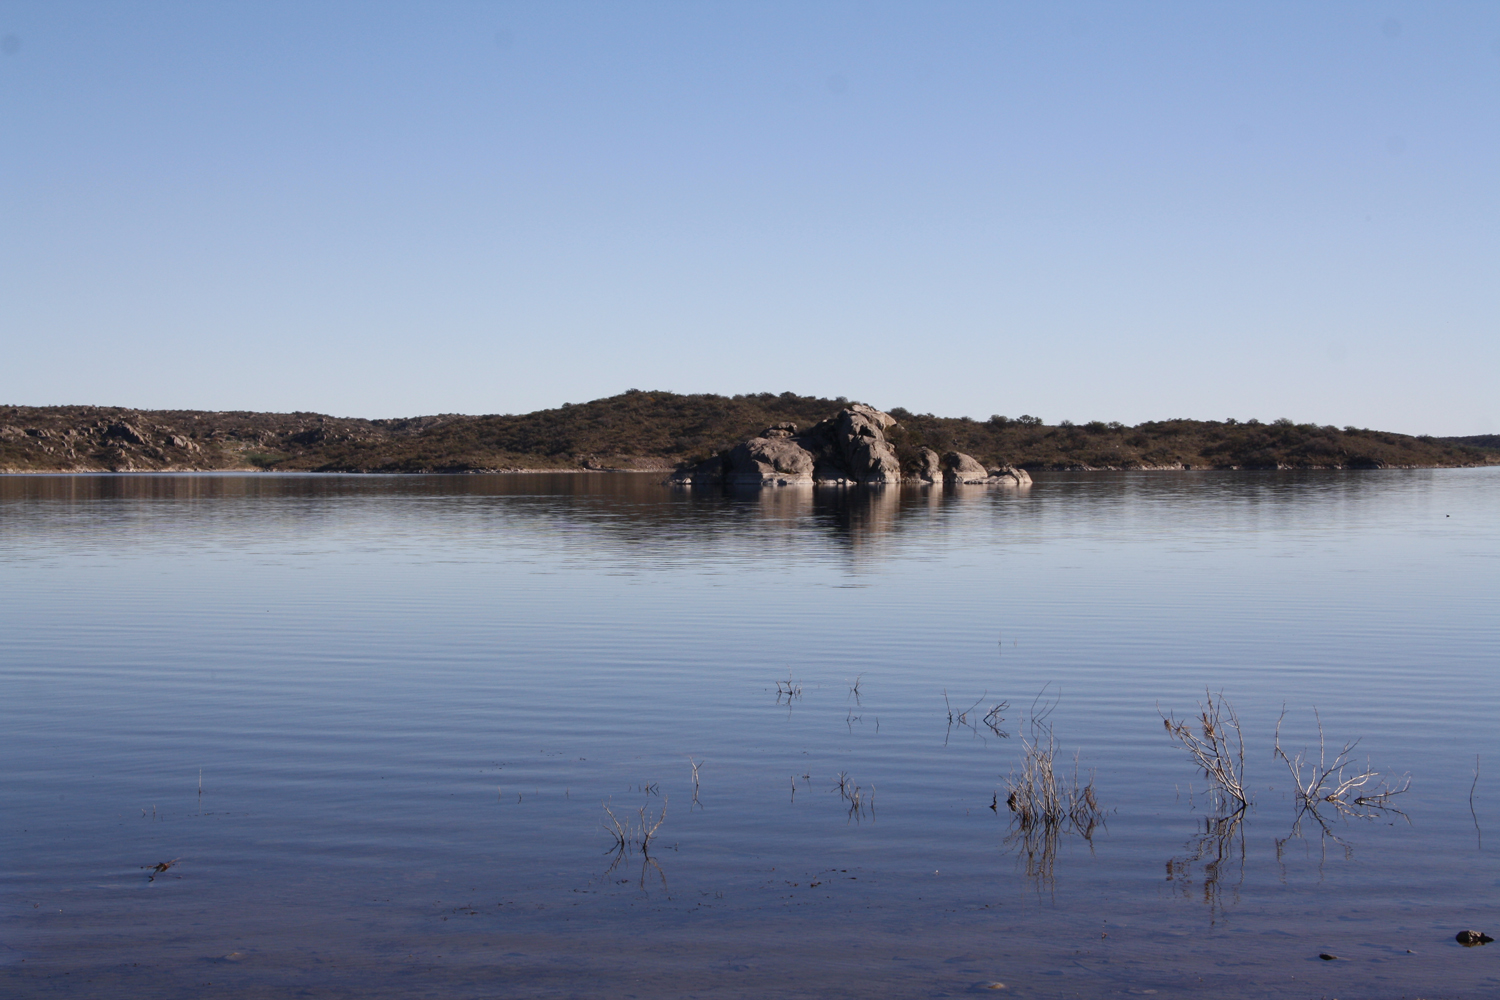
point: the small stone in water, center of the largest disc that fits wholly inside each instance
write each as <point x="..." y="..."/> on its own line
<point x="1470" y="938"/>
<point x="1327" y="957"/>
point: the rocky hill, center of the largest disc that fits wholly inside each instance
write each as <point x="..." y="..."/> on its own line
<point x="662" y="431"/>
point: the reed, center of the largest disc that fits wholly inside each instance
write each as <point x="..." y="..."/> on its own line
<point x="1039" y="797"/>
<point x="859" y="801"/>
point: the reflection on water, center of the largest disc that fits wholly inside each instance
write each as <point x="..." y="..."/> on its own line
<point x="1212" y="863"/>
<point x="416" y="703"/>
<point x="623" y="509"/>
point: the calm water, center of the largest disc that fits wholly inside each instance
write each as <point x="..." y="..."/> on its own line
<point x="409" y="698"/>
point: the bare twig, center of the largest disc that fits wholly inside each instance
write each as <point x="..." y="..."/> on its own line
<point x="1479" y="834"/>
<point x="627" y="835"/>
<point x="991" y="719"/>
<point x="856" y="798"/>
<point x="788" y="689"/>
<point x="695" y="765"/>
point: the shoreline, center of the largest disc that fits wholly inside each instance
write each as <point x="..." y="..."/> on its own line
<point x="255" y="471"/>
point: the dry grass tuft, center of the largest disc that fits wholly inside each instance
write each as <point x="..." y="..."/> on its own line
<point x="1038" y="797"/>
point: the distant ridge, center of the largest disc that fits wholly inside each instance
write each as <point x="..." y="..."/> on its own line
<point x="1476" y="441"/>
<point x="658" y="431"/>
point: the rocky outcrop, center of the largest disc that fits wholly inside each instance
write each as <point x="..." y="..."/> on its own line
<point x="1009" y="475"/>
<point x="851" y="447"/>
<point x="847" y="449"/>
<point x="959" y="468"/>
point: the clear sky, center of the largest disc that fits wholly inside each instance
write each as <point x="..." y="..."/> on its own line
<point x="1107" y="211"/>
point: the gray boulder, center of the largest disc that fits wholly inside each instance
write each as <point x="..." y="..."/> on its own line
<point x="867" y="455"/>
<point x="961" y="468"/>
<point x="850" y="447"/>
<point x="773" y="460"/>
<point x="929" y="466"/>
<point x="1009" y="475"/>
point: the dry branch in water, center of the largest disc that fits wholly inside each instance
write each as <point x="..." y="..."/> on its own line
<point x="695" y="764"/>
<point x="968" y="717"/>
<point x="637" y="834"/>
<point x="1360" y="792"/>
<point x="858" y="799"/>
<point x="1215" y="743"/>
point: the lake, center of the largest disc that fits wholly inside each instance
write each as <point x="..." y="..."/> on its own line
<point x="377" y="733"/>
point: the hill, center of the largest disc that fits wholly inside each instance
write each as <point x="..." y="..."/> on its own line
<point x="658" y="431"/>
<point x="1490" y="441"/>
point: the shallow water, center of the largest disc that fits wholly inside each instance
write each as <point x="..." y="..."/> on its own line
<point x="409" y="699"/>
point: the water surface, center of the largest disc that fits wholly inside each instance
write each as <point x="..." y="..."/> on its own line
<point x="410" y="698"/>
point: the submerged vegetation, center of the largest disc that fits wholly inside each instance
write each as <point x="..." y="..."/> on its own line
<point x="663" y="430"/>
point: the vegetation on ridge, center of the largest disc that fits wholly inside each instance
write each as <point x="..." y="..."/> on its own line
<point x="659" y="431"/>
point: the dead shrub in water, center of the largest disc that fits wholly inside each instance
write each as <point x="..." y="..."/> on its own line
<point x="1358" y="792"/>
<point x="638" y="834"/>
<point x="788" y="689"/>
<point x="1215" y="743"/>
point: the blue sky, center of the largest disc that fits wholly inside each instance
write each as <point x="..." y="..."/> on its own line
<point x="1085" y="211"/>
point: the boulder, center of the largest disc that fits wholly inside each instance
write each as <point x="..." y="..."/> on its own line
<point x="773" y="460"/>
<point x="122" y="431"/>
<point x="705" y="473"/>
<point x="929" y="466"/>
<point x="1009" y="475"/>
<point x="961" y="468"/>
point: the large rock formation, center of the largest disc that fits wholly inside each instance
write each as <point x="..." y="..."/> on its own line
<point x="849" y="448"/>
